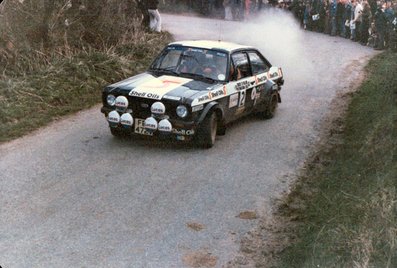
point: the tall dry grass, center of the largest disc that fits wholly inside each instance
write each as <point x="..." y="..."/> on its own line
<point x="56" y="56"/>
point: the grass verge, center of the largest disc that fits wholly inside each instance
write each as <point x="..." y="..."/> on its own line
<point x="345" y="205"/>
<point x="37" y="88"/>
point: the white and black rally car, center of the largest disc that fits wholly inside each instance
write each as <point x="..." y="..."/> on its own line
<point x="192" y="90"/>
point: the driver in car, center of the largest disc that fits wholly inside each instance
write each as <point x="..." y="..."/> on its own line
<point x="215" y="68"/>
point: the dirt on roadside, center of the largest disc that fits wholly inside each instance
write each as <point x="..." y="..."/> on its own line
<point x="262" y="246"/>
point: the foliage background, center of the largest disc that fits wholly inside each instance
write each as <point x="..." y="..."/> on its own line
<point x="56" y="56"/>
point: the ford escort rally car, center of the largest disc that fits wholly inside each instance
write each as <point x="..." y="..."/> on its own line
<point x="192" y="90"/>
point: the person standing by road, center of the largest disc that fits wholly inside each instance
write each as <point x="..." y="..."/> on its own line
<point x="332" y="16"/>
<point x="247" y="9"/>
<point x="365" y="23"/>
<point x="355" y="23"/>
<point x="155" y="19"/>
<point x="348" y="8"/>
<point x="340" y="18"/>
<point x="381" y="27"/>
<point x="389" y="13"/>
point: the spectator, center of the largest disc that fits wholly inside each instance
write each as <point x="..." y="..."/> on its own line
<point x="373" y="5"/>
<point x="211" y="6"/>
<point x="307" y="25"/>
<point x="237" y="9"/>
<point x="381" y="27"/>
<point x="315" y="14"/>
<point x="155" y="19"/>
<point x="332" y="16"/>
<point x="247" y="8"/>
<point x="323" y="22"/>
<point x="228" y="10"/>
<point x="389" y="13"/>
<point x="260" y="5"/>
<point x="365" y="22"/>
<point x="297" y="8"/>
<point x="340" y="18"/>
<point x="348" y="9"/>
<point x="355" y="22"/>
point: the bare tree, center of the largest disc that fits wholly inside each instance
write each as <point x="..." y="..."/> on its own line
<point x="49" y="6"/>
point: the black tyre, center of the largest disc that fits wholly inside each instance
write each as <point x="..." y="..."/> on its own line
<point x="117" y="132"/>
<point x="207" y="133"/>
<point x="270" y="109"/>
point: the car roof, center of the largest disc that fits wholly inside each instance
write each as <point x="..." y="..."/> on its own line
<point x="210" y="44"/>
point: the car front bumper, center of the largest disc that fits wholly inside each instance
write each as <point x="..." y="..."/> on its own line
<point x="181" y="130"/>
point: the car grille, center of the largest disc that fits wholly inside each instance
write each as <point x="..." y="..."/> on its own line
<point x="141" y="107"/>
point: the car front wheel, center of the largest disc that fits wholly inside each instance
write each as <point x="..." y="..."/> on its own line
<point x="207" y="133"/>
<point x="118" y="133"/>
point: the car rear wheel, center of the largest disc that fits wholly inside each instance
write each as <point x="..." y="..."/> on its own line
<point x="270" y="109"/>
<point x="207" y="132"/>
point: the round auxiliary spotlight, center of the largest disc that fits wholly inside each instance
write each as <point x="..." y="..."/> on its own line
<point x="150" y="124"/>
<point x="126" y="120"/>
<point x="121" y="103"/>
<point x="165" y="126"/>
<point x="113" y="119"/>
<point x="157" y="108"/>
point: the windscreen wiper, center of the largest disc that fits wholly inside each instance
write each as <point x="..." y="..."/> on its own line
<point x="166" y="71"/>
<point x="199" y="76"/>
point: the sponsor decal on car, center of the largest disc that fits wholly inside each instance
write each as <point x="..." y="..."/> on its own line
<point x="211" y="95"/>
<point x="233" y="100"/>
<point x="185" y="132"/>
<point x="260" y="79"/>
<point x="242" y="85"/>
<point x="255" y="95"/>
<point x="197" y="108"/>
<point x="242" y="97"/>
<point x="156" y="88"/>
<point x="218" y="93"/>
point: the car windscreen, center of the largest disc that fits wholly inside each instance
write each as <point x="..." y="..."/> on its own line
<point x="193" y="61"/>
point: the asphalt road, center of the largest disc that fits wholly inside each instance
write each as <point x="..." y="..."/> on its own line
<point x="74" y="196"/>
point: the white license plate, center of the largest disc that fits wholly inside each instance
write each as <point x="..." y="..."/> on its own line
<point x="139" y="129"/>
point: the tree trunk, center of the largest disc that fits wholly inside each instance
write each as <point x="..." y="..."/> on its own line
<point x="49" y="6"/>
<point x="142" y="6"/>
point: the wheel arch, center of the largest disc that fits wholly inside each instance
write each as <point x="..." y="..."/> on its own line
<point x="212" y="107"/>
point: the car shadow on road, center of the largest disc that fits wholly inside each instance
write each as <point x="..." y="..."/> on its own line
<point x="149" y="143"/>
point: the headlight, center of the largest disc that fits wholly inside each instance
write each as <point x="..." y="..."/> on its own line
<point x="275" y="87"/>
<point x="181" y="111"/>
<point x="111" y="100"/>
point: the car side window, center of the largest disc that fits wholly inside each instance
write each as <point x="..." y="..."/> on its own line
<point x="257" y="64"/>
<point x="240" y="66"/>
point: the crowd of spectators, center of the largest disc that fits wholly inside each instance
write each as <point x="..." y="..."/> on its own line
<point x="369" y="22"/>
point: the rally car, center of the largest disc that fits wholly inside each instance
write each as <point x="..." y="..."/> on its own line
<point x="192" y="90"/>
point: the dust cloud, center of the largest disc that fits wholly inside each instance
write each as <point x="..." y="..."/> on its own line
<point x="276" y="33"/>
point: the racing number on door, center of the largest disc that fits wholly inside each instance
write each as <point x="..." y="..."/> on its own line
<point x="241" y="101"/>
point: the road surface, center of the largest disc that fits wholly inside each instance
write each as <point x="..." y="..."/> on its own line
<point x="74" y="196"/>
